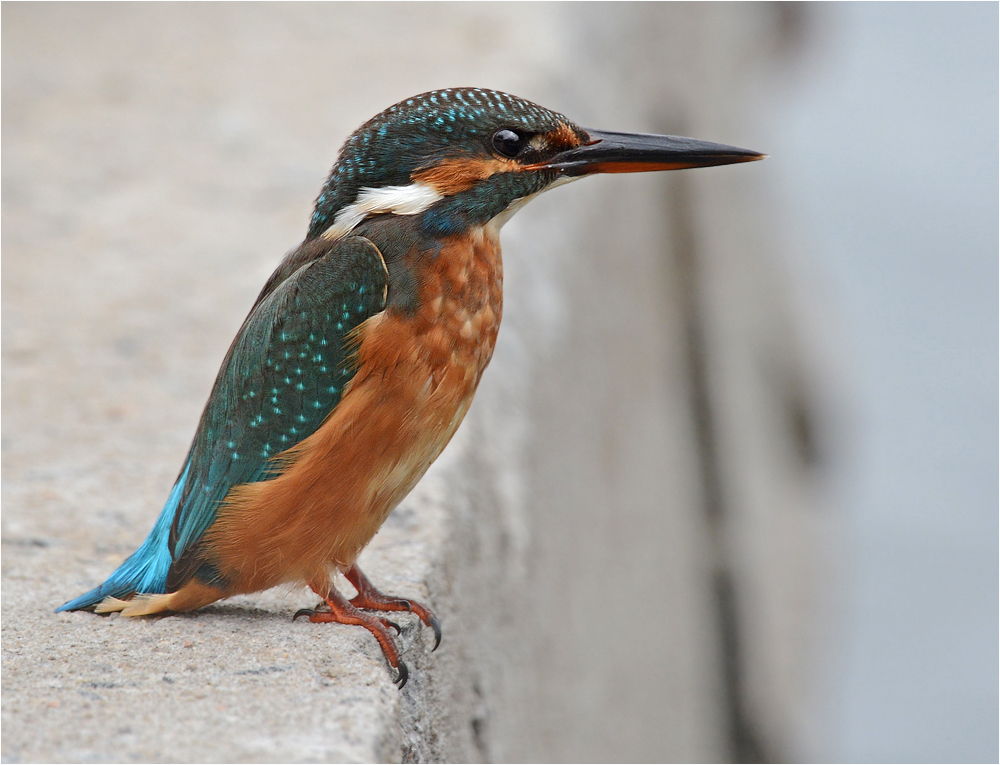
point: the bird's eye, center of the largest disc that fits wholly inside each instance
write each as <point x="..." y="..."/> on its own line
<point x="507" y="142"/>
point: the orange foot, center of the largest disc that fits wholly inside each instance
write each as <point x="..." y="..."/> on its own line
<point x="368" y="597"/>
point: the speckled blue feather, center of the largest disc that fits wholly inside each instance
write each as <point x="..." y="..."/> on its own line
<point x="284" y="374"/>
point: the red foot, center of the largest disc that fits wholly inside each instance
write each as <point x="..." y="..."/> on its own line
<point x="370" y="597"/>
<point x="343" y="612"/>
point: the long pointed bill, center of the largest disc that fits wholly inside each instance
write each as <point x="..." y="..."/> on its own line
<point x="638" y="152"/>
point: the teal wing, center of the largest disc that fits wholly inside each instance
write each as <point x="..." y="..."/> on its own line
<point x="284" y="373"/>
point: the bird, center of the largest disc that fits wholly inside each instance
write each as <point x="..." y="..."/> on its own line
<point x="361" y="356"/>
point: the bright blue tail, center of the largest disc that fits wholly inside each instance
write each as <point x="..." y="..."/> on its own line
<point x="146" y="569"/>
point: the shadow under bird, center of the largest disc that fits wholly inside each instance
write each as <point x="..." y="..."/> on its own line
<point x="362" y="354"/>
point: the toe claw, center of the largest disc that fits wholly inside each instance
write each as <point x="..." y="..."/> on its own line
<point x="392" y="624"/>
<point x="436" y="626"/>
<point x="303" y="612"/>
<point x="403" y="675"/>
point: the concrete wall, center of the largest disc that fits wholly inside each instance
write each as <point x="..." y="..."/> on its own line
<point x="623" y="539"/>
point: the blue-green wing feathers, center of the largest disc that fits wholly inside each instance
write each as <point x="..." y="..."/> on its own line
<point x="283" y="375"/>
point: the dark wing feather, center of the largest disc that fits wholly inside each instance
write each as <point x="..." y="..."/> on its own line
<point x="284" y="374"/>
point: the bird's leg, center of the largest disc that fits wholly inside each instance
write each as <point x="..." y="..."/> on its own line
<point x="371" y="597"/>
<point x="342" y="612"/>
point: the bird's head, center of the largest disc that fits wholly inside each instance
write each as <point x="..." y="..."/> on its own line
<point x="462" y="157"/>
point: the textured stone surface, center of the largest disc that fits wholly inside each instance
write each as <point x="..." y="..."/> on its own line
<point x="158" y="162"/>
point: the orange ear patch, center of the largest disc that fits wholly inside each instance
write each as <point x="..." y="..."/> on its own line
<point x="562" y="138"/>
<point x="455" y="175"/>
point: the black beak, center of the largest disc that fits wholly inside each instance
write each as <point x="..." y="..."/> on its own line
<point x="608" y="152"/>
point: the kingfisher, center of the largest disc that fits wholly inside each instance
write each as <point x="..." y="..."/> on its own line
<point x="361" y="356"/>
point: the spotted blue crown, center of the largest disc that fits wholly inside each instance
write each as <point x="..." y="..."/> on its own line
<point x="418" y="132"/>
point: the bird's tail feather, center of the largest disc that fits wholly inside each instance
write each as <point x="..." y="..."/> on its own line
<point x="145" y="571"/>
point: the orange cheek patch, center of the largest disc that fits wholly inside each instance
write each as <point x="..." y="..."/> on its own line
<point x="562" y="138"/>
<point x="455" y="175"/>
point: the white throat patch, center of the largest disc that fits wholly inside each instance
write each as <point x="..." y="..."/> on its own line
<point x="399" y="200"/>
<point x="411" y="200"/>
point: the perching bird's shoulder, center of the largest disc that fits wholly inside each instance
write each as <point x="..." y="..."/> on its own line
<point x="304" y="254"/>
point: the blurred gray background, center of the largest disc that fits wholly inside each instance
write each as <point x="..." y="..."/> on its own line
<point x="729" y="489"/>
<point x="885" y="133"/>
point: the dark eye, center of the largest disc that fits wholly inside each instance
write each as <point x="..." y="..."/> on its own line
<point x="507" y="142"/>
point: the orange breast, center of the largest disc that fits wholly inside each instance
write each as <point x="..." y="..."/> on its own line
<point x="416" y="378"/>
